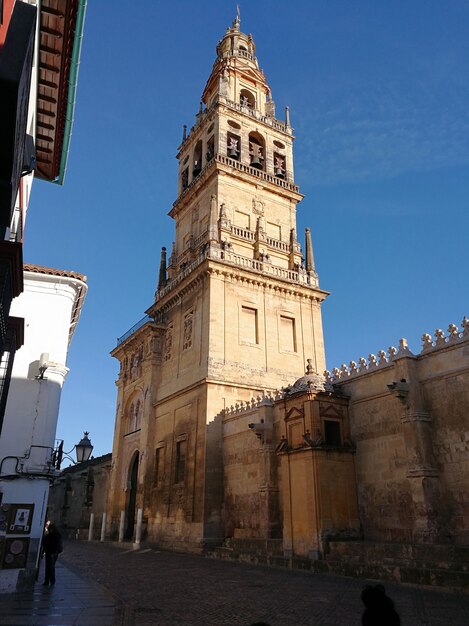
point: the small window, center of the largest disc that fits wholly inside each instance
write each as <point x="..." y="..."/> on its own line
<point x="274" y="231"/>
<point x="197" y="168"/>
<point x="242" y="219"/>
<point x="210" y="149"/>
<point x="332" y="433"/>
<point x="295" y="434"/>
<point x="248" y="330"/>
<point x="187" y="240"/>
<point x="138" y="415"/>
<point x="185" y="179"/>
<point x="159" y="464"/>
<point x="287" y="334"/>
<point x="181" y="451"/>
<point x="131" y="427"/>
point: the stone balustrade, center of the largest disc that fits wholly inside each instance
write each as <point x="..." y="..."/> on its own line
<point x="256" y="114"/>
<point x="278" y="245"/>
<point x="270" y="178"/>
<point x="302" y="277"/>
<point x="243" y="233"/>
<point x="373" y="362"/>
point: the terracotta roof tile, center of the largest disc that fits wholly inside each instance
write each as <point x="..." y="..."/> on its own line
<point x="38" y="269"/>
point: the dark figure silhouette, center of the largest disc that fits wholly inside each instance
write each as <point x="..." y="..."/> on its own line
<point x="52" y="547"/>
<point x="380" y="609"/>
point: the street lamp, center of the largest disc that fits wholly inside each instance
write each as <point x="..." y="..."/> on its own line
<point x="83" y="450"/>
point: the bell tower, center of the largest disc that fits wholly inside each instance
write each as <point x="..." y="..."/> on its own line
<point x="235" y="216"/>
<point x="236" y="311"/>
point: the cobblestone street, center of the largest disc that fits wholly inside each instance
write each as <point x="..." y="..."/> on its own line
<point x="163" y="588"/>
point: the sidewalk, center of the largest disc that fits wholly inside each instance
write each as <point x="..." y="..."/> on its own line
<point x="72" y="601"/>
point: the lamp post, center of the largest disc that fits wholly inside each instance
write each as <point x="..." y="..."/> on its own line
<point x="83" y="450"/>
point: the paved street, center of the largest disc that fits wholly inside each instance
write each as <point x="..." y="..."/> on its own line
<point x="164" y="588"/>
<point x="102" y="585"/>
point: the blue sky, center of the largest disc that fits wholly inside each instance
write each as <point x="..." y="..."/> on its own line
<point x="378" y="93"/>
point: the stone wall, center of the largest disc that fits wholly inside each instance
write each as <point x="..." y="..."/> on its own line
<point x="399" y="472"/>
<point x="81" y="490"/>
<point x="410" y="422"/>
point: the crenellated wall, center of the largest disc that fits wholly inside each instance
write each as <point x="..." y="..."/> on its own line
<point x="409" y="417"/>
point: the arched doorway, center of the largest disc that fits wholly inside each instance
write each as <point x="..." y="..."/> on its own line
<point x="133" y="475"/>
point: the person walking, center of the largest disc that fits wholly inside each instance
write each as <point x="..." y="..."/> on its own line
<point x="52" y="547"/>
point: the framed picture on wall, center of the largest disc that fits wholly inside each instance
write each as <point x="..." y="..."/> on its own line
<point x="20" y="519"/>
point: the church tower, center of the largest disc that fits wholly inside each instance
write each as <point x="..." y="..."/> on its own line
<point x="236" y="310"/>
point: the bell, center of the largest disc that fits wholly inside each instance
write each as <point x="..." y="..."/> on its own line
<point x="279" y="172"/>
<point x="255" y="162"/>
<point x="233" y="153"/>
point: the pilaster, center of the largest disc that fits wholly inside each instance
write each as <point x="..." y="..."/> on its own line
<point x="422" y="471"/>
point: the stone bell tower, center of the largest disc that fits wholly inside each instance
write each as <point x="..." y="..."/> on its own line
<point x="236" y="311"/>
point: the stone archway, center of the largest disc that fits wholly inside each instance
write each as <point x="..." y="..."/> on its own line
<point x="132" y="501"/>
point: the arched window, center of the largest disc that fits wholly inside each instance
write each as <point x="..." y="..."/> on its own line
<point x="184" y="179"/>
<point x="131" y="416"/>
<point x="210" y="149"/>
<point x="197" y="167"/>
<point x="247" y="99"/>
<point x="233" y="146"/>
<point x="279" y="165"/>
<point x="134" y="415"/>
<point x="138" y="415"/>
<point x="257" y="151"/>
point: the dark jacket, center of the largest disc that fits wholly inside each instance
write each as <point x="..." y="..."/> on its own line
<point x="52" y="542"/>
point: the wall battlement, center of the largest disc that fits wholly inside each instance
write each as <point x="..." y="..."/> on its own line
<point x="382" y="359"/>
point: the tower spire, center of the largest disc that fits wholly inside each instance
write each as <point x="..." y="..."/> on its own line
<point x="162" y="274"/>
<point x="237" y="21"/>
<point x="309" y="258"/>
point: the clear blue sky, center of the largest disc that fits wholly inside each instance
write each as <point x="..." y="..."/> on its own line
<point x="378" y="93"/>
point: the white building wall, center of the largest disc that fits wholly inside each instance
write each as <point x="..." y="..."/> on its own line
<point x="50" y="306"/>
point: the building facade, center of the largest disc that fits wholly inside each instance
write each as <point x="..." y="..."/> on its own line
<point x="40" y="44"/>
<point x="234" y="309"/>
<point x="50" y="304"/>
